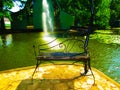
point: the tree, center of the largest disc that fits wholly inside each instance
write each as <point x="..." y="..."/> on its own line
<point x="4" y="6"/>
<point x="115" y="12"/>
<point x="81" y="9"/>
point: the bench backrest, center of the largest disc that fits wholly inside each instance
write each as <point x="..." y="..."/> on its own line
<point x="72" y="41"/>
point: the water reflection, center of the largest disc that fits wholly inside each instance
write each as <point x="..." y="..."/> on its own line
<point x="106" y="36"/>
<point x="106" y="57"/>
<point x="5" y="39"/>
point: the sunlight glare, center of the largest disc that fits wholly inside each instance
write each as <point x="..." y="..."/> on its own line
<point x="44" y="22"/>
<point x="46" y="17"/>
<point x="54" y="43"/>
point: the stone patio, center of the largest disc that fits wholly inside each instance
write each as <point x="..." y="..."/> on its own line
<point x="55" y="77"/>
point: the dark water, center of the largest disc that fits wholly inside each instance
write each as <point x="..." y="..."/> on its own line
<point x="16" y="51"/>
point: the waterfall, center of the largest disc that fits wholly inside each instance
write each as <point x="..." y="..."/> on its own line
<point x="47" y="17"/>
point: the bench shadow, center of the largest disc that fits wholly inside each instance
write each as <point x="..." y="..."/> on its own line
<point x="46" y="84"/>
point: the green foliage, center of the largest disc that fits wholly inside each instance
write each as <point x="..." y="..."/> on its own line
<point x="6" y="14"/>
<point x="115" y="11"/>
<point x="7" y="4"/>
<point x="115" y="8"/>
<point x="78" y="8"/>
<point x="81" y="9"/>
<point x="102" y="14"/>
<point x="1" y="14"/>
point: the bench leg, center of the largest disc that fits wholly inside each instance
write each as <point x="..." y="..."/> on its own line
<point x="37" y="64"/>
<point x="85" y="67"/>
<point x="91" y="71"/>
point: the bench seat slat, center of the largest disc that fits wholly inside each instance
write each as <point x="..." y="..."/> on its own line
<point x="63" y="56"/>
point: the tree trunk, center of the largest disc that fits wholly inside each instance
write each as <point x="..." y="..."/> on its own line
<point x="2" y="25"/>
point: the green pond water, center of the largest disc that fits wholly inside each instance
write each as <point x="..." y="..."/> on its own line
<point x="104" y="47"/>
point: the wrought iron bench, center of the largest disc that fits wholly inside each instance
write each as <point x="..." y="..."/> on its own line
<point x="72" y="47"/>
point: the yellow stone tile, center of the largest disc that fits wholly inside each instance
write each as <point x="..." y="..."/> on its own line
<point x="12" y="79"/>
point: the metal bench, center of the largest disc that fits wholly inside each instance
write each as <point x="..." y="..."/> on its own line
<point x="72" y="47"/>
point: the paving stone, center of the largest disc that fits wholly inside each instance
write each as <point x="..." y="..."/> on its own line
<point x="55" y="77"/>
